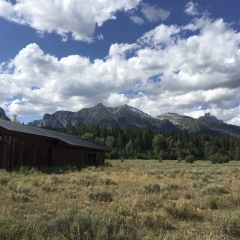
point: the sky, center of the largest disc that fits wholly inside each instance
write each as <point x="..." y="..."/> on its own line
<point x="158" y="56"/>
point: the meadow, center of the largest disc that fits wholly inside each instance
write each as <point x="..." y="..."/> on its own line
<point x="130" y="199"/>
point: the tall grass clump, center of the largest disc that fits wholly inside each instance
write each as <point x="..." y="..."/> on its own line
<point x="152" y="188"/>
<point x="27" y="170"/>
<point x="230" y="223"/>
<point x="156" y="221"/>
<point x="4" y="177"/>
<point x="9" y="227"/>
<point x="12" y="228"/>
<point x="71" y="224"/>
<point x="21" y="192"/>
<point x="149" y="202"/>
<point x="49" y="188"/>
<point x="183" y="211"/>
<point x="107" y="181"/>
<point x="212" y="202"/>
<point x="171" y="186"/>
<point x="55" y="179"/>
<point x="99" y="194"/>
<point x="214" y="190"/>
<point x="89" y="181"/>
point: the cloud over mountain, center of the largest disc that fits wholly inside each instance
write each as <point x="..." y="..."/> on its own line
<point x="189" y="69"/>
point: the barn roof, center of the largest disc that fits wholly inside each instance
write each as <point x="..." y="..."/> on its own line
<point x="69" y="139"/>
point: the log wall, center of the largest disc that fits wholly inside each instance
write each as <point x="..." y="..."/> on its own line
<point x="18" y="150"/>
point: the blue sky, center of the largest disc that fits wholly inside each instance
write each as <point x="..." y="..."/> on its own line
<point x="158" y="56"/>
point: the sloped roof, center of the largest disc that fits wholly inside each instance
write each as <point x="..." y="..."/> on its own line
<point x="69" y="139"/>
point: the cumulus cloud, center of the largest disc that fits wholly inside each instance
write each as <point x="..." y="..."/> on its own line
<point x="77" y="17"/>
<point x="163" y="71"/>
<point x="137" y="20"/>
<point x="191" y="9"/>
<point x="154" y="13"/>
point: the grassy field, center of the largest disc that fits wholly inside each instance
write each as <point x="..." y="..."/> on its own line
<point x="133" y="199"/>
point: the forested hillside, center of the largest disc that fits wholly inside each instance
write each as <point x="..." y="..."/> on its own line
<point x="134" y="143"/>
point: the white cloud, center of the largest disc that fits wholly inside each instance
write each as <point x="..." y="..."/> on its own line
<point x="164" y="71"/>
<point x="154" y="13"/>
<point x="162" y="34"/>
<point x="77" y="17"/>
<point x="137" y="20"/>
<point x="100" y="37"/>
<point x="191" y="9"/>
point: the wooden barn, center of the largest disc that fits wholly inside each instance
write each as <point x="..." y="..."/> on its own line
<point x="22" y="145"/>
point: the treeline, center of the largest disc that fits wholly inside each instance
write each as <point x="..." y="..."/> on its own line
<point x="134" y="143"/>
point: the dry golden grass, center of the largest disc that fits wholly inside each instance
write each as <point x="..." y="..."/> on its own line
<point x="158" y="200"/>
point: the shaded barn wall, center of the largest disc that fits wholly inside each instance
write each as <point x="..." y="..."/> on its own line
<point x="21" y="150"/>
<point x="62" y="156"/>
<point x="18" y="150"/>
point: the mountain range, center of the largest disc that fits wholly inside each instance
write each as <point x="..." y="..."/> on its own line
<point x="123" y="116"/>
<point x="127" y="116"/>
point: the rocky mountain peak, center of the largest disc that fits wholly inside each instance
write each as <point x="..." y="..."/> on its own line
<point x="210" y="119"/>
<point x="100" y="105"/>
<point x="175" y="118"/>
<point x="3" y="115"/>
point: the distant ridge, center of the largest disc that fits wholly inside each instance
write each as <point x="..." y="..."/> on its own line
<point x="123" y="116"/>
<point x="127" y="116"/>
<point x="206" y="124"/>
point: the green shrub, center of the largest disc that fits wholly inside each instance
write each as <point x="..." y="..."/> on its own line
<point x="35" y="182"/>
<point x="183" y="211"/>
<point x="149" y="202"/>
<point x="26" y="170"/>
<point x="152" y="188"/>
<point x="107" y="181"/>
<point x="99" y="194"/>
<point x="212" y="202"/>
<point x="48" y="188"/>
<point x="9" y="227"/>
<point x="187" y="195"/>
<point x="12" y="229"/>
<point x="204" y="178"/>
<point x="89" y="181"/>
<point x="190" y="159"/>
<point x="179" y="159"/>
<point x="71" y="224"/>
<point x="55" y="179"/>
<point x="194" y="185"/>
<point x="230" y="224"/>
<point x="157" y="222"/>
<point x="219" y="158"/>
<point x="69" y="193"/>
<point x="4" y="177"/>
<point x="24" y="188"/>
<point x="19" y="197"/>
<point x="171" y="186"/>
<point x="214" y="190"/>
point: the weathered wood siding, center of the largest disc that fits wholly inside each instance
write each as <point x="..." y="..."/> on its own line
<point x="76" y="156"/>
<point x="17" y="149"/>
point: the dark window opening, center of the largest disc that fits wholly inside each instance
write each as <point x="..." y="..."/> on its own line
<point x="90" y="159"/>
